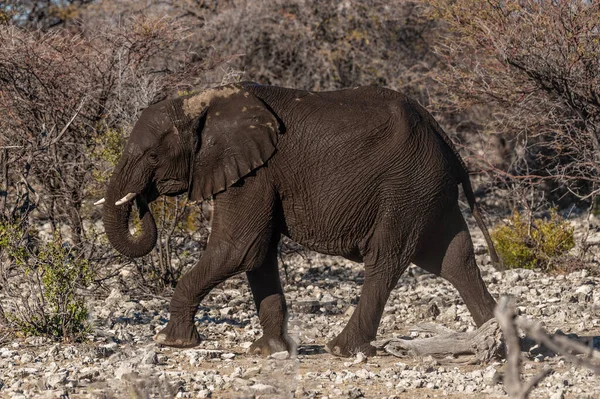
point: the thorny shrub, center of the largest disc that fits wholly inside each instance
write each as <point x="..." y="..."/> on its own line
<point x="305" y="45"/>
<point x="67" y="101"/>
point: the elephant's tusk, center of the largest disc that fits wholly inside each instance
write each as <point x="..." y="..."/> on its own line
<point x="125" y="199"/>
<point x="100" y="201"/>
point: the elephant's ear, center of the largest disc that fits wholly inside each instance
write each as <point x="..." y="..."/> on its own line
<point x="237" y="135"/>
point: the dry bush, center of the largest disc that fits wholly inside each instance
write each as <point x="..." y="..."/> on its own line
<point x="316" y="45"/>
<point x="60" y="94"/>
<point x="530" y="67"/>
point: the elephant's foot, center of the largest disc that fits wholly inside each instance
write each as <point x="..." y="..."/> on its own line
<point x="345" y="346"/>
<point x="178" y="335"/>
<point x="267" y="345"/>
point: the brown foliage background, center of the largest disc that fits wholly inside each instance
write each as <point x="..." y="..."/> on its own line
<point x="532" y="65"/>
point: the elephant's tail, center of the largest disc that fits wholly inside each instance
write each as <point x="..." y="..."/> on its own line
<point x="466" y="183"/>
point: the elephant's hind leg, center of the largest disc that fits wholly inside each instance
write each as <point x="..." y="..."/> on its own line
<point x="448" y="252"/>
<point x="270" y="304"/>
<point x="362" y="327"/>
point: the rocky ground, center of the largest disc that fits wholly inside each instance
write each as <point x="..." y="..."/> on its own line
<point x="120" y="360"/>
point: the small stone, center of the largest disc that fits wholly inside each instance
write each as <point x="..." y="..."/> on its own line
<point x="26" y="358"/>
<point x="401" y="366"/>
<point x="122" y="335"/>
<point x="226" y="311"/>
<point x="54" y="380"/>
<point x="88" y="373"/>
<point x="512" y="276"/>
<point x="29" y="371"/>
<point x="280" y="355"/>
<point x="123" y="371"/>
<point x="362" y="374"/>
<point x="360" y="358"/>
<point x="227" y="356"/>
<point x="237" y="372"/>
<point x="107" y="350"/>
<point x="584" y="293"/>
<point x="558" y="395"/>
<point x="449" y="314"/>
<point x="355" y="393"/>
<point x="263" y="388"/>
<point x="251" y="372"/>
<point x="150" y="357"/>
<point x="53" y="351"/>
<point x="490" y="377"/>
<point x="240" y="382"/>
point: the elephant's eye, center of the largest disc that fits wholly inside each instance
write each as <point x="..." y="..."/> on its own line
<point x="153" y="157"/>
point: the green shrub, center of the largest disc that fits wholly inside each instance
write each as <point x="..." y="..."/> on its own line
<point x="43" y="292"/>
<point x="535" y="244"/>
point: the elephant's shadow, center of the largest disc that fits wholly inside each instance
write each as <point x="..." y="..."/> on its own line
<point x="205" y="319"/>
<point x="311" y="350"/>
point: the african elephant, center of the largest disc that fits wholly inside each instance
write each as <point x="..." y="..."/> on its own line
<point x="365" y="173"/>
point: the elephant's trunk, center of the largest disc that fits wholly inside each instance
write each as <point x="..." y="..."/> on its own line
<point x="116" y="224"/>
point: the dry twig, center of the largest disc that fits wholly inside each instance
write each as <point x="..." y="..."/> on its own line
<point x="505" y="314"/>
<point x="569" y="349"/>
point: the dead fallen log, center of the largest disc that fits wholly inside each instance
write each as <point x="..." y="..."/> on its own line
<point x="476" y="347"/>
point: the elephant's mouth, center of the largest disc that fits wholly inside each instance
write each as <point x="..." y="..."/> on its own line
<point x="170" y="187"/>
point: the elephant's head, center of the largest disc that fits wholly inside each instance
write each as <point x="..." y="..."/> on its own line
<point x="200" y="144"/>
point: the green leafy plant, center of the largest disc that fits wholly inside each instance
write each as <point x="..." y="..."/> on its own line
<point x="42" y="284"/>
<point x="535" y="243"/>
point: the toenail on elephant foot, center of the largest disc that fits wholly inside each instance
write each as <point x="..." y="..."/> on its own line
<point x="178" y="336"/>
<point x="340" y="346"/>
<point x="265" y="346"/>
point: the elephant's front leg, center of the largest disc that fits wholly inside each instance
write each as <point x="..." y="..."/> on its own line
<point x="242" y="231"/>
<point x="214" y="267"/>
<point x="271" y="307"/>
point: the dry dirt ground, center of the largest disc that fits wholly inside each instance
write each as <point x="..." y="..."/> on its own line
<point x="120" y="360"/>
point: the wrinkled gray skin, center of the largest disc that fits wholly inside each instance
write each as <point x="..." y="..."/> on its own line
<point x="364" y="173"/>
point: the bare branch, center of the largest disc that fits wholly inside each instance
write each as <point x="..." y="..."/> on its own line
<point x="569" y="349"/>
